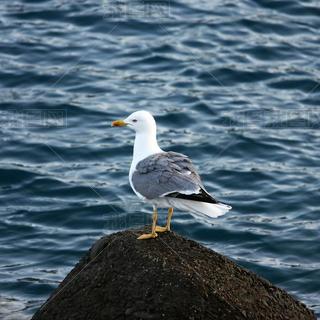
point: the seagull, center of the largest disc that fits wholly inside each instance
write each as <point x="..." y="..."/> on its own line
<point x="165" y="179"/>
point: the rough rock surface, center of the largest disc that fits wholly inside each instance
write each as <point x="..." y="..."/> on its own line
<point x="169" y="278"/>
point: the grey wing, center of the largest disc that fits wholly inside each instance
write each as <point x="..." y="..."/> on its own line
<point x="168" y="174"/>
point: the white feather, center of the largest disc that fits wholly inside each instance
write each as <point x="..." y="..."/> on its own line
<point x="196" y="208"/>
<point x="211" y="210"/>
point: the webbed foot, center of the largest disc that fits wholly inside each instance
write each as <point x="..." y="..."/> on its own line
<point x="162" y="229"/>
<point x="147" y="236"/>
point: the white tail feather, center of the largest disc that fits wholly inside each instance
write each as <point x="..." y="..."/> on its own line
<point x="212" y="210"/>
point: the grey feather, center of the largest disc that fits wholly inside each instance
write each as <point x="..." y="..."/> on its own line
<point x="165" y="173"/>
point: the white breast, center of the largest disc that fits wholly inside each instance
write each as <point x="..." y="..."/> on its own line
<point x="145" y="145"/>
<point x="132" y="169"/>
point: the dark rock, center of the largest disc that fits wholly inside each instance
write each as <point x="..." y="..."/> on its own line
<point x="164" y="278"/>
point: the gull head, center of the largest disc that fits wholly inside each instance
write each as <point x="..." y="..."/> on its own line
<point x="140" y="121"/>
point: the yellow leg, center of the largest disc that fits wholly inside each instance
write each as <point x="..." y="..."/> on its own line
<point x="153" y="233"/>
<point x="167" y="227"/>
<point x="170" y="213"/>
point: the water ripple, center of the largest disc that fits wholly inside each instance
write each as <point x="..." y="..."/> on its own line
<point x="233" y="85"/>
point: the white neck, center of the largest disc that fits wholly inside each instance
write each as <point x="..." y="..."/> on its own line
<point x="145" y="144"/>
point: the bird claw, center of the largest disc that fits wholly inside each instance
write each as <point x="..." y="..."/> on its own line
<point x="162" y="229"/>
<point x="147" y="236"/>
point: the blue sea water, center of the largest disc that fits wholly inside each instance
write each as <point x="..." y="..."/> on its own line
<point x="233" y="84"/>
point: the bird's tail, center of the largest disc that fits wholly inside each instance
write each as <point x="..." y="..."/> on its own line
<point x="211" y="210"/>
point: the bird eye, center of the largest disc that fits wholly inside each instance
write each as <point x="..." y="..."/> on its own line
<point x="134" y="120"/>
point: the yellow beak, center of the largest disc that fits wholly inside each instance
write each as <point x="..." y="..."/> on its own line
<point x="118" y="123"/>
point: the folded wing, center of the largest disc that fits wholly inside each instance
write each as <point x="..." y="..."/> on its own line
<point x="169" y="174"/>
